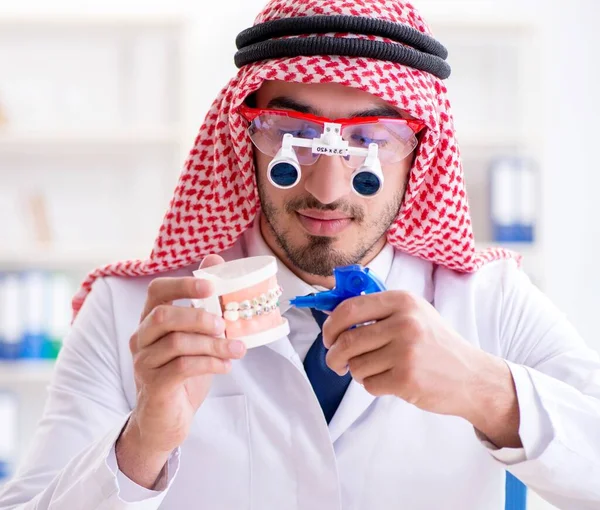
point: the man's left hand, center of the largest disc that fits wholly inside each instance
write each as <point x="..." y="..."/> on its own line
<point x="410" y="352"/>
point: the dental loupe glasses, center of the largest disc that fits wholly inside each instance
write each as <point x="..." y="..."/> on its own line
<point x="284" y="170"/>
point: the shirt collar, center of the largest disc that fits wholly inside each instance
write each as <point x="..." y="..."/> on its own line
<point x="291" y="284"/>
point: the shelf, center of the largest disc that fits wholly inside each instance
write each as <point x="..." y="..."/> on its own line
<point x="14" y="373"/>
<point x="57" y="20"/>
<point x="478" y="14"/>
<point x="78" y="259"/>
<point x="22" y="139"/>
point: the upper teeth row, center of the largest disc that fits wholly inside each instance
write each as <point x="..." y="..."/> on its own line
<point x="248" y="308"/>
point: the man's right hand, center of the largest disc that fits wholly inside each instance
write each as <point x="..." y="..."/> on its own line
<point x="176" y="351"/>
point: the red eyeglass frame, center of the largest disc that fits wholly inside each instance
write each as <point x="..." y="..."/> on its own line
<point x="250" y="114"/>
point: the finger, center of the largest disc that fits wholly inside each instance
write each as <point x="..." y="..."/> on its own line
<point x="165" y="290"/>
<point x="361" y="309"/>
<point x="184" y="367"/>
<point x="354" y="342"/>
<point x="380" y="384"/>
<point x="371" y="363"/>
<point x="165" y="319"/>
<point x="178" y="344"/>
<point x="211" y="260"/>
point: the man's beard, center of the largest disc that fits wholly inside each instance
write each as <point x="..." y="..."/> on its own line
<point x="317" y="256"/>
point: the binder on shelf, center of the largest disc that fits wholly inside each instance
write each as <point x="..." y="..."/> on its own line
<point x="513" y="200"/>
<point x="35" y="287"/>
<point x="35" y="314"/>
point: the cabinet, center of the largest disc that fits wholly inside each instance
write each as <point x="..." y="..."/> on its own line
<point x="89" y="138"/>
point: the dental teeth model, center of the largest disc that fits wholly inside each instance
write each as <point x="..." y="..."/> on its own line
<point x="249" y="308"/>
<point x="247" y="296"/>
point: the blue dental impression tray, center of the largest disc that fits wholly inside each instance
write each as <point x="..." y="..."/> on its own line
<point x="350" y="281"/>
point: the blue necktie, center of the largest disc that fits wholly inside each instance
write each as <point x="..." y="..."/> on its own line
<point x="327" y="385"/>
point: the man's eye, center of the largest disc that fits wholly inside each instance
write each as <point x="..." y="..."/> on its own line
<point x="365" y="141"/>
<point x="300" y="133"/>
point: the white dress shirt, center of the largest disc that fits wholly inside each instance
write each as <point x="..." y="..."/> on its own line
<point x="260" y="440"/>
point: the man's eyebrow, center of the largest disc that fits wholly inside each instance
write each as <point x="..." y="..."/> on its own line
<point x="379" y="111"/>
<point x="287" y="103"/>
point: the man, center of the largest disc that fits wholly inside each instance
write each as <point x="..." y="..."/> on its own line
<point x="467" y="371"/>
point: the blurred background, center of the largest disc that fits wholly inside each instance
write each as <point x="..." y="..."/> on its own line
<point x="100" y="103"/>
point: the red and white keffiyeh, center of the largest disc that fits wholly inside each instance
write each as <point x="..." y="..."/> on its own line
<point x="216" y="197"/>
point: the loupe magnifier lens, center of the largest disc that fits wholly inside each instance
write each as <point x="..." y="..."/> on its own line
<point x="366" y="184"/>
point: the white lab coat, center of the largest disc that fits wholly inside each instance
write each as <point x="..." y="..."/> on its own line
<point x="260" y="440"/>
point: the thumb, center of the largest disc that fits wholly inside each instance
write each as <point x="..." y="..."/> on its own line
<point x="211" y="260"/>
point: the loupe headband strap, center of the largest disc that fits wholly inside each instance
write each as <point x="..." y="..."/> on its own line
<point x="415" y="49"/>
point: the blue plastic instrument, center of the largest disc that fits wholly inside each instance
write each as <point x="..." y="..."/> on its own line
<point x="350" y="281"/>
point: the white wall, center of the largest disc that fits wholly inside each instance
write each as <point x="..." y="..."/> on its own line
<point x="572" y="173"/>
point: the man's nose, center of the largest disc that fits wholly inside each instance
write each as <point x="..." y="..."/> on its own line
<point x="328" y="179"/>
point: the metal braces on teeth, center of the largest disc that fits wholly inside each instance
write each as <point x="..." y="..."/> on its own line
<point x="259" y="305"/>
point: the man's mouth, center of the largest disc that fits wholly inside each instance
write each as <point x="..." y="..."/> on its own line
<point x="323" y="223"/>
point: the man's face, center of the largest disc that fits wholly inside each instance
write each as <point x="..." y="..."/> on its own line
<point x="321" y="223"/>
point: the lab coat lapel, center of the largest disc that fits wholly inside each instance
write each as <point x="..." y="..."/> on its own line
<point x="409" y="274"/>
<point x="283" y="347"/>
<point x="356" y="400"/>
